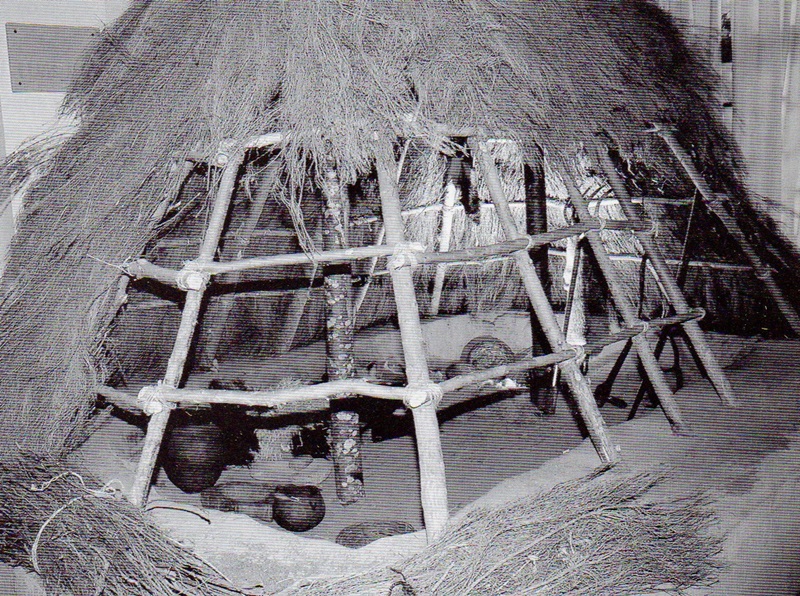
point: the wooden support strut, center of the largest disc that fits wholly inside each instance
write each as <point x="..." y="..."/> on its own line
<point x="623" y="305"/>
<point x="670" y="287"/>
<point x="191" y="310"/>
<point x="322" y="392"/>
<point x="710" y="199"/>
<point x="448" y="211"/>
<point x="142" y="268"/>
<point x="433" y="485"/>
<point x="544" y="312"/>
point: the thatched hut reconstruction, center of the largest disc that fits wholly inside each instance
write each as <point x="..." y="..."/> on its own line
<point x="297" y="109"/>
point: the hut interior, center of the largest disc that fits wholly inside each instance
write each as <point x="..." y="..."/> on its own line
<point x="374" y="297"/>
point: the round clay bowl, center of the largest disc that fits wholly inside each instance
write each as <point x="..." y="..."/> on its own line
<point x="298" y="508"/>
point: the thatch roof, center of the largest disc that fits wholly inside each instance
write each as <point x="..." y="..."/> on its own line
<point x="172" y="79"/>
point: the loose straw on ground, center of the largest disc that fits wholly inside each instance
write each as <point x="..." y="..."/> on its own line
<point x="86" y="541"/>
<point x="596" y="535"/>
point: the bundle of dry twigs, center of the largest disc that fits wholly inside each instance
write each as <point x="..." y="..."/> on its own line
<point x="593" y="536"/>
<point x="82" y="538"/>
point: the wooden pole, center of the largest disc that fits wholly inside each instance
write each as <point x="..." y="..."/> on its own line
<point x="669" y="286"/>
<point x="626" y="309"/>
<point x="445" y="235"/>
<point x="433" y="485"/>
<point x="547" y="319"/>
<point x="142" y="268"/>
<point x="345" y="426"/>
<point x="542" y="392"/>
<point x="287" y="400"/>
<point x="218" y="311"/>
<point x="575" y="309"/>
<point x="711" y="201"/>
<point x="191" y="311"/>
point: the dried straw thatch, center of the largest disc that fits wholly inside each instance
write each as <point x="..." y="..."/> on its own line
<point x="84" y="539"/>
<point x="596" y="535"/>
<point x="170" y="79"/>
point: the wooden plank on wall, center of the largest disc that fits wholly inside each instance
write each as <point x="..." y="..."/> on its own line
<point x="759" y="89"/>
<point x="790" y="117"/>
<point x="758" y="69"/>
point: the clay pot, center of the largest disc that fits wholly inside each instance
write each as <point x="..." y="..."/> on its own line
<point x="194" y="456"/>
<point x="298" y="508"/>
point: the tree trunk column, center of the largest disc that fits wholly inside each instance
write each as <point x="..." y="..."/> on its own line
<point x="345" y="426"/>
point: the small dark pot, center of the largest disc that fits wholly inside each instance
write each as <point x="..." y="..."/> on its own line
<point x="194" y="456"/>
<point x="298" y="508"/>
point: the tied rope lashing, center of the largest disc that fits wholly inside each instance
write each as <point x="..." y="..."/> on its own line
<point x="151" y="399"/>
<point x="405" y="255"/>
<point x="421" y="394"/>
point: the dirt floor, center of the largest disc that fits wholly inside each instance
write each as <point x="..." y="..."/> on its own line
<point x="746" y="458"/>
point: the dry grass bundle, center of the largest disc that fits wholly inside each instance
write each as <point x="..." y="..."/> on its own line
<point x="87" y="541"/>
<point x="593" y="536"/>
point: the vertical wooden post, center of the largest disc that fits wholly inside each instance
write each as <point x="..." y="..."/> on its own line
<point x="433" y="485"/>
<point x="544" y="312"/>
<point x="448" y="211"/>
<point x="345" y="426"/>
<point x="761" y="33"/>
<point x="542" y="392"/>
<point x="183" y="340"/>
<point x="668" y="284"/>
<point x="536" y="214"/>
<point x="574" y="311"/>
<point x="628" y="313"/>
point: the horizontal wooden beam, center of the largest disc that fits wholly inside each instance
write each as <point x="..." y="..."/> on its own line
<point x="227" y="147"/>
<point x="694" y="314"/>
<point x="498" y="372"/>
<point x="411" y="255"/>
<point x="322" y="392"/>
<point x="551" y="202"/>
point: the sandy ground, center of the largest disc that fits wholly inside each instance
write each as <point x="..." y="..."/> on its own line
<point x="747" y="458"/>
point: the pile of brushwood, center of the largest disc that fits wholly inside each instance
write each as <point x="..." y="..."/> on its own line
<point x="83" y="538"/>
<point x="596" y="535"/>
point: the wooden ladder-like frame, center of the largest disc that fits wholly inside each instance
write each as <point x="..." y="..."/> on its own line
<point x="421" y="394"/>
